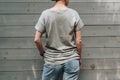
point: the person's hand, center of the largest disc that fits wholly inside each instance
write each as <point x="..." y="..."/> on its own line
<point x="80" y="61"/>
<point x="42" y="54"/>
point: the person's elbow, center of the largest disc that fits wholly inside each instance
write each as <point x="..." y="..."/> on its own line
<point x="36" y="40"/>
<point x="78" y="41"/>
<point x="37" y="37"/>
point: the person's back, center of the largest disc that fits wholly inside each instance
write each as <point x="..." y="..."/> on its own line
<point x="60" y="24"/>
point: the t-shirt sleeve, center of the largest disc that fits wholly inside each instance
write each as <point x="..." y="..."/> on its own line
<point x="40" y="25"/>
<point x="78" y="23"/>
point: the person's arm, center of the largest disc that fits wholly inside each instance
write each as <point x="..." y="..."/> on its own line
<point x="79" y="45"/>
<point x="38" y="42"/>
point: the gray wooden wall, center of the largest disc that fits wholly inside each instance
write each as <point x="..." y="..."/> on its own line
<point x="19" y="58"/>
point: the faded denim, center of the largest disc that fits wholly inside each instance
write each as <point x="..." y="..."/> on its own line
<point x="67" y="71"/>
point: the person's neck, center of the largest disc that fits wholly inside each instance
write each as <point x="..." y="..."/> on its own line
<point x="60" y="5"/>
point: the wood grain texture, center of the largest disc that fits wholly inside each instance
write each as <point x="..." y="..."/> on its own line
<point x="99" y="53"/>
<point x="37" y="64"/>
<point x="11" y="75"/>
<point x="17" y="31"/>
<point x="20" y="54"/>
<point x="101" y="31"/>
<point x="17" y="43"/>
<point x="21" y="65"/>
<point x="32" y="20"/>
<point x="100" y="74"/>
<point x="82" y="8"/>
<point x="33" y="53"/>
<point x="99" y="42"/>
<point x="29" y="31"/>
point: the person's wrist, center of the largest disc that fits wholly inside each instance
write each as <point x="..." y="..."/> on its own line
<point x="42" y="53"/>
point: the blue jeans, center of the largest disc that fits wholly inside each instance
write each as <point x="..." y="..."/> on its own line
<point x="67" y="71"/>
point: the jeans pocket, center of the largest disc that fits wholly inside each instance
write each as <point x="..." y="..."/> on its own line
<point x="47" y="65"/>
<point x="72" y="66"/>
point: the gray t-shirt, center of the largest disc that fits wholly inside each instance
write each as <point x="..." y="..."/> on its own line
<point x="59" y="27"/>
